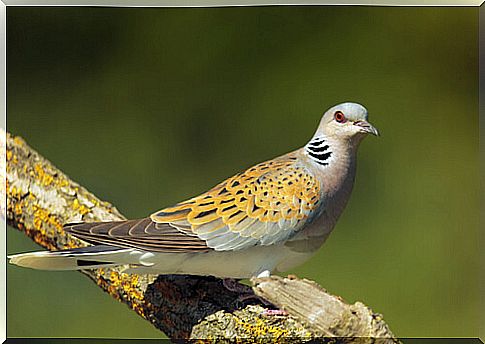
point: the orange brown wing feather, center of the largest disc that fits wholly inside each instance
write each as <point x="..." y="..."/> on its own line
<point x="265" y="204"/>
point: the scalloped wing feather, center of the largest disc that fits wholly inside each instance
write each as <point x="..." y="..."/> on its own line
<point x="264" y="205"/>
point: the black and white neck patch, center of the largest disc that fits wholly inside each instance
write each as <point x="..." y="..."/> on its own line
<point x="319" y="150"/>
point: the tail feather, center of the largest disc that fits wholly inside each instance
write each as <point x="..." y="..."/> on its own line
<point x="91" y="257"/>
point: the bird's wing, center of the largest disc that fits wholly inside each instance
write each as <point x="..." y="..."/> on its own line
<point x="142" y="234"/>
<point x="263" y="205"/>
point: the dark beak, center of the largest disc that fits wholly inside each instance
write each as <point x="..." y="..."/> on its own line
<point x="366" y="127"/>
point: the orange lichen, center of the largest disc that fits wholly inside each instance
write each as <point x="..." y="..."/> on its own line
<point x="18" y="208"/>
<point x="42" y="219"/>
<point x="130" y="285"/>
<point x="123" y="287"/>
<point x="72" y="244"/>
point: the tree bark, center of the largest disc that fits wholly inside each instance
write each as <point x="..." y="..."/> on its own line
<point x="40" y="199"/>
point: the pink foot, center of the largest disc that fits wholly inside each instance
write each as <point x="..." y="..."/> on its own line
<point x="274" y="312"/>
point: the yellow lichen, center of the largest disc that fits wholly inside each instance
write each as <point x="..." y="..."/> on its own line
<point x="259" y="328"/>
<point x="11" y="157"/>
<point x="18" y="140"/>
<point x="94" y="201"/>
<point x="13" y="191"/>
<point x="81" y="208"/>
<point x="61" y="182"/>
<point x="44" y="177"/>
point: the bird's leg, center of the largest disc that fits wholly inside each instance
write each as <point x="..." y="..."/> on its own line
<point x="246" y="293"/>
<point x="233" y="285"/>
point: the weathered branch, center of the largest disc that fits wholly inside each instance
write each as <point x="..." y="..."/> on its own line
<point x="40" y="198"/>
<point x="324" y="314"/>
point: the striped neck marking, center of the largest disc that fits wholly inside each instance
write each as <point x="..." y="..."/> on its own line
<point x="319" y="150"/>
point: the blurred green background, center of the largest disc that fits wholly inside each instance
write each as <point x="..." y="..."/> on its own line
<point x="146" y="107"/>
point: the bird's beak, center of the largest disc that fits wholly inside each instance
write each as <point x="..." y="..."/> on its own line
<point x="366" y="127"/>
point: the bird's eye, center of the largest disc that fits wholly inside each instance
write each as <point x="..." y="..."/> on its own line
<point x="340" y="117"/>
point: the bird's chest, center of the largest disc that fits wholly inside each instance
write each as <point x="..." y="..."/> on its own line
<point x="303" y="245"/>
<point x="336" y="189"/>
<point x="333" y="203"/>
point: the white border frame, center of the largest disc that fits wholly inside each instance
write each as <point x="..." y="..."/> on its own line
<point x="158" y="3"/>
<point x="232" y="3"/>
<point x="3" y="172"/>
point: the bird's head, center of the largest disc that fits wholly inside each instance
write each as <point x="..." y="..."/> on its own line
<point x="346" y="121"/>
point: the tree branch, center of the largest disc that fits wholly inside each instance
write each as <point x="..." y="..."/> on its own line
<point x="40" y="199"/>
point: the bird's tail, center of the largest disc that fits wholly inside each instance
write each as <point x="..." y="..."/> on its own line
<point x="91" y="257"/>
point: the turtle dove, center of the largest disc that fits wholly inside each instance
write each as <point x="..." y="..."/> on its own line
<point x="268" y="218"/>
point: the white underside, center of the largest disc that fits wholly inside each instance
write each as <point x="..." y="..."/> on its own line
<point x="229" y="264"/>
<point x="253" y="261"/>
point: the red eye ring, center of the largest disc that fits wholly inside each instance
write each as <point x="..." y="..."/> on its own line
<point x="340" y="117"/>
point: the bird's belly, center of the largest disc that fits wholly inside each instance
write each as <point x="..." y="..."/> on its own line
<point x="307" y="242"/>
<point x="229" y="264"/>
